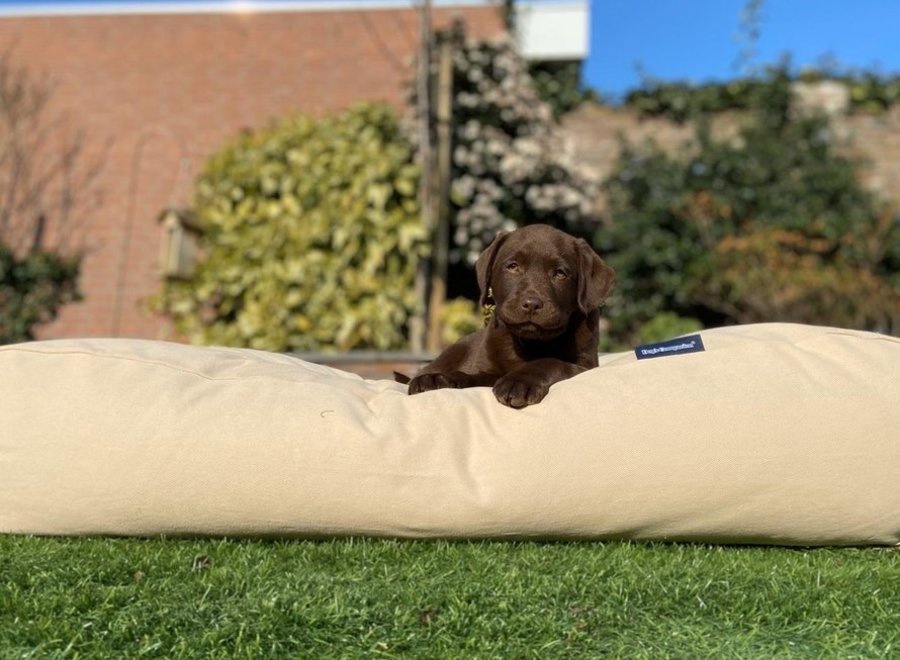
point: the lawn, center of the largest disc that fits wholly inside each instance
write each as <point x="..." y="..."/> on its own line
<point x="91" y="598"/>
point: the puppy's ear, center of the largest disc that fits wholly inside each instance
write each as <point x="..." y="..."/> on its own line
<point x="595" y="278"/>
<point x="485" y="265"/>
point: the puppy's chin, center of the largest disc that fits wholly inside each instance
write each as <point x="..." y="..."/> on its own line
<point x="533" y="331"/>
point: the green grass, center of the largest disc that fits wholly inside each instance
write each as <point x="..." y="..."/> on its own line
<point x="91" y="598"/>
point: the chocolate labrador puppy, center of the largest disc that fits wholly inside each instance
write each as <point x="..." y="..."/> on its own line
<point x="546" y="287"/>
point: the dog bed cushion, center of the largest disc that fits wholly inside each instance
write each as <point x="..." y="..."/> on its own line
<point x="774" y="433"/>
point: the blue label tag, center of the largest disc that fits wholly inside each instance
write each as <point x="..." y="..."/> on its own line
<point x="689" y="344"/>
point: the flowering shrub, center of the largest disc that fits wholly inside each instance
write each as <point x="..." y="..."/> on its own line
<point x="509" y="163"/>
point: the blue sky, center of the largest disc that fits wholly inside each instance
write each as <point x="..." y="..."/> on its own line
<point x="700" y="40"/>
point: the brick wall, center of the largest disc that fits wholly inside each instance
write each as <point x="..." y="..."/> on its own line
<point x="161" y="92"/>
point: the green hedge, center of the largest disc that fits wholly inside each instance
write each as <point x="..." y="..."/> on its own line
<point x="312" y="238"/>
<point x="32" y="289"/>
<point x="684" y="101"/>
<point x="770" y="226"/>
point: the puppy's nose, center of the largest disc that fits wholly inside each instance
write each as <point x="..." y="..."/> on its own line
<point x="531" y="304"/>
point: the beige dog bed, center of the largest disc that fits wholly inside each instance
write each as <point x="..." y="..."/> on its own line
<point x="773" y="433"/>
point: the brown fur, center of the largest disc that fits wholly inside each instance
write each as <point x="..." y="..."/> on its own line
<point x="547" y="287"/>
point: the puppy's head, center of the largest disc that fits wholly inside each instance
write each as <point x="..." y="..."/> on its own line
<point x="539" y="277"/>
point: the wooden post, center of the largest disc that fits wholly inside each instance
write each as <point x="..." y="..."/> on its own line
<point x="417" y="324"/>
<point x="441" y="193"/>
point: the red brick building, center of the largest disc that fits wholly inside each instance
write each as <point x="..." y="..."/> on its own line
<point x="162" y="85"/>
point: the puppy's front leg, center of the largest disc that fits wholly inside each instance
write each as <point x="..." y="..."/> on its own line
<point x="447" y="369"/>
<point x="436" y="380"/>
<point x="531" y="382"/>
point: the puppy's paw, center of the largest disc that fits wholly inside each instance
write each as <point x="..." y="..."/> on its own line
<point x="517" y="391"/>
<point x="436" y="381"/>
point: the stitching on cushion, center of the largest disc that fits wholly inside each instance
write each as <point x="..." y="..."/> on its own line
<point x="157" y="363"/>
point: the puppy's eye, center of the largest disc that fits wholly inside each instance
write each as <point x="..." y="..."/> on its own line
<point x="560" y="274"/>
<point x="512" y="266"/>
